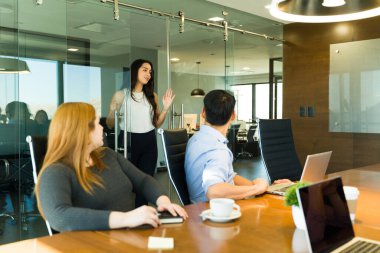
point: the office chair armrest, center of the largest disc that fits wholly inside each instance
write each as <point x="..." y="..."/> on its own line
<point x="6" y="163"/>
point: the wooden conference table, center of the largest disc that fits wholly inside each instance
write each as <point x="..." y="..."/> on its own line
<point x="266" y="225"/>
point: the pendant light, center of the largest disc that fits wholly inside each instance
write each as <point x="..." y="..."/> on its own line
<point x="198" y="92"/>
<point x="317" y="11"/>
<point x="13" y="66"/>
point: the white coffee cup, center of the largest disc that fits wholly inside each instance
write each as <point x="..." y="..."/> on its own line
<point x="222" y="207"/>
<point x="352" y="194"/>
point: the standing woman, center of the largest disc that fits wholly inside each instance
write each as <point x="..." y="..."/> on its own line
<point x="143" y="117"/>
<point x="83" y="186"/>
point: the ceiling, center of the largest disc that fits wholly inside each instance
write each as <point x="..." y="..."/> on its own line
<point x="49" y="25"/>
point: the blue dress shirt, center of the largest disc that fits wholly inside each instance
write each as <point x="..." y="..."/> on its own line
<point x="208" y="161"/>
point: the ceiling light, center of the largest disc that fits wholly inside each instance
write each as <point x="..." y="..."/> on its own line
<point x="198" y="92"/>
<point x="92" y="27"/>
<point x="315" y="12"/>
<point x="73" y="49"/>
<point x="13" y="66"/>
<point x="246" y="68"/>
<point x="267" y="6"/>
<point x="333" y="3"/>
<point x="174" y="59"/>
<point x="279" y="45"/>
<point x="6" y="9"/>
<point x="216" y="19"/>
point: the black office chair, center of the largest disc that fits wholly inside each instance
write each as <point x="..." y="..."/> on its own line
<point x="13" y="162"/>
<point x="38" y="148"/>
<point x="248" y="147"/>
<point x="278" y="150"/>
<point x="174" y="142"/>
<point x="232" y="138"/>
<point x="4" y="184"/>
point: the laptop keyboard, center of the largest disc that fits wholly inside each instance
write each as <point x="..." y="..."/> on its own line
<point x="284" y="189"/>
<point x="362" y="246"/>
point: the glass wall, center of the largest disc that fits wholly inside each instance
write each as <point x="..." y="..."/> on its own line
<point x="76" y="51"/>
<point x="353" y="87"/>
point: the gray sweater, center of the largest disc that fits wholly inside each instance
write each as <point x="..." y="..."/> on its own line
<point x="68" y="207"/>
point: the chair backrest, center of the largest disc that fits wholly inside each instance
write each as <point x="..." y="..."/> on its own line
<point x="232" y="137"/>
<point x="232" y="132"/>
<point x="38" y="148"/>
<point x="12" y="138"/>
<point x="243" y="125"/>
<point x="251" y="133"/>
<point x="174" y="142"/>
<point x="278" y="150"/>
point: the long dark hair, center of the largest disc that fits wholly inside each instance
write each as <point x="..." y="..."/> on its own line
<point x="148" y="88"/>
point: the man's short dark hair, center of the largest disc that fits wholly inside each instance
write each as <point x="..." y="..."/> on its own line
<point x="219" y="106"/>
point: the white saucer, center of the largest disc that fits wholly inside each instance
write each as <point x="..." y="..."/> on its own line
<point x="206" y="214"/>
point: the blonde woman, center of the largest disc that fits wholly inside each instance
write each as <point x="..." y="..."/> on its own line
<point x="83" y="186"/>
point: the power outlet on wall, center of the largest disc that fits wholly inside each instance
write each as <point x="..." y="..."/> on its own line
<point x="310" y="111"/>
<point x="303" y="112"/>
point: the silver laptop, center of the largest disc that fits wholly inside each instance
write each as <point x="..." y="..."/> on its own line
<point x="328" y="223"/>
<point x="313" y="171"/>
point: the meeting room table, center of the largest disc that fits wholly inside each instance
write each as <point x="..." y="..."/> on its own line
<point x="266" y="225"/>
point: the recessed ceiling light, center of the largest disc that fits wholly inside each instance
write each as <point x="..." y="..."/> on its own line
<point x="174" y="59"/>
<point x="93" y="27"/>
<point x="333" y="3"/>
<point x="279" y="45"/>
<point x="216" y="19"/>
<point x="6" y="9"/>
<point x="267" y="6"/>
<point x="246" y="68"/>
<point x="71" y="49"/>
<point x="2" y="69"/>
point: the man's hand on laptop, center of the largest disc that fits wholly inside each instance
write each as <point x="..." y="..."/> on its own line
<point x="282" y="181"/>
<point x="261" y="184"/>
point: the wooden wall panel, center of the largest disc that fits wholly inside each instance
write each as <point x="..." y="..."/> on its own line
<point x="306" y="83"/>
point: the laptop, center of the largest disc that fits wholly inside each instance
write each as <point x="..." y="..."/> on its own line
<point x="328" y="222"/>
<point x="313" y="171"/>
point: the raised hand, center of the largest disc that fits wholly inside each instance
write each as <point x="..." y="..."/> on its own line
<point x="168" y="99"/>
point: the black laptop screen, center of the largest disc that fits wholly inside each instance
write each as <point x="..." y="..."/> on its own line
<point x="326" y="213"/>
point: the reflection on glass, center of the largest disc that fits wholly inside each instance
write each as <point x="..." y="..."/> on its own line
<point x="353" y="87"/>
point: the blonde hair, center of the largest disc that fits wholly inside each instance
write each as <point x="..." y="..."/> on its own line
<point x="68" y="140"/>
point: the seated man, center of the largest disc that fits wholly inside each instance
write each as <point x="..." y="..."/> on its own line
<point x="208" y="161"/>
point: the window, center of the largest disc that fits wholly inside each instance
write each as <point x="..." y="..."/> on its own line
<point x="41" y="80"/>
<point x="83" y="83"/>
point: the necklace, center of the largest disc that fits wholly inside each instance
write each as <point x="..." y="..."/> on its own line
<point x="139" y="96"/>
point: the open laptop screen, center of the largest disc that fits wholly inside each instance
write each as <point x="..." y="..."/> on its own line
<point x="326" y="214"/>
